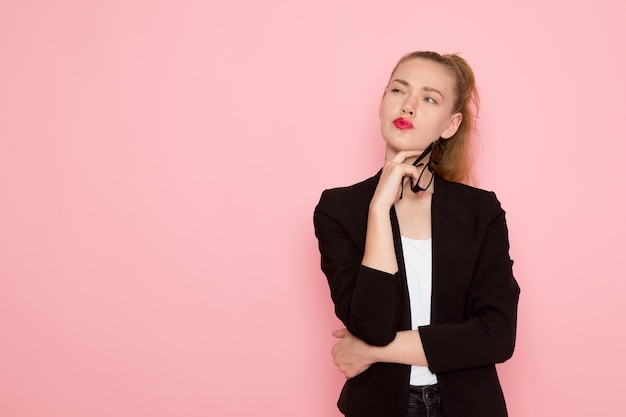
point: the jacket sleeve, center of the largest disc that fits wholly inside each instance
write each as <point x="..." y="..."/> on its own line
<point x="366" y="300"/>
<point x="487" y="333"/>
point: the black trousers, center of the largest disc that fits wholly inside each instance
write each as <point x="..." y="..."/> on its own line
<point x="424" y="402"/>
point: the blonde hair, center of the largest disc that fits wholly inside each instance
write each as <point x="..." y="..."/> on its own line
<point x="456" y="163"/>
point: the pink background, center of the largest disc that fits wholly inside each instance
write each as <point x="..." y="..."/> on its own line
<point x="159" y="165"/>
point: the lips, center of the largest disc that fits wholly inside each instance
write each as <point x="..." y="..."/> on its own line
<point x="402" y="124"/>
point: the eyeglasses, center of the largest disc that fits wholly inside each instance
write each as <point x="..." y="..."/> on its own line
<point x="417" y="187"/>
<point x="436" y="156"/>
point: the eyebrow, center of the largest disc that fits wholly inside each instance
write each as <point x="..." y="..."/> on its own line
<point x="432" y="90"/>
<point x="425" y="88"/>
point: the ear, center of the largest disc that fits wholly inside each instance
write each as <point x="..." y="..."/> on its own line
<point x="453" y="126"/>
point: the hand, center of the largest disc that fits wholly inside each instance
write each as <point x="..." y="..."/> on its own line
<point x="391" y="179"/>
<point x="351" y="355"/>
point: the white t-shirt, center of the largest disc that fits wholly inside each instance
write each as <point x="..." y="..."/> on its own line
<point x="418" y="264"/>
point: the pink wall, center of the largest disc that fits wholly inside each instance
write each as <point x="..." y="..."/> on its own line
<point x="159" y="165"/>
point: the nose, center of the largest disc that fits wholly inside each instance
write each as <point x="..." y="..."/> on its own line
<point x="408" y="108"/>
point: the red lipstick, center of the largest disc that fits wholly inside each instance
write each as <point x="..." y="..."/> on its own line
<point x="402" y="124"/>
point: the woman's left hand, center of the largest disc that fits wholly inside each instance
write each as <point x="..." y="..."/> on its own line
<point x="351" y="355"/>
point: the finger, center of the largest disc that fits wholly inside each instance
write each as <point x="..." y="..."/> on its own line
<point x="394" y="169"/>
<point x="405" y="171"/>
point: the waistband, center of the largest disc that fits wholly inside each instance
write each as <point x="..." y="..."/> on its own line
<point x="424" y="398"/>
<point x="425" y="392"/>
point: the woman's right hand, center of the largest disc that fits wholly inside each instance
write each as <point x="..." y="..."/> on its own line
<point x="391" y="180"/>
<point x="379" y="247"/>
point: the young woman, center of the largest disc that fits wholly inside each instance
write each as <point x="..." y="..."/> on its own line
<point x="417" y="262"/>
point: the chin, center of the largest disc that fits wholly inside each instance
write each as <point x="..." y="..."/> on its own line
<point x="398" y="146"/>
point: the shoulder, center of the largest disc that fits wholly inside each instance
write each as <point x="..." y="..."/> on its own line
<point x="468" y="198"/>
<point x="348" y="198"/>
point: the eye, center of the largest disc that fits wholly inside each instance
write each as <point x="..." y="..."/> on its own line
<point x="430" y="100"/>
<point x="396" y="90"/>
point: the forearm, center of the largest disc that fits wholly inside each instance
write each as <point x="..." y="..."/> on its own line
<point x="483" y="339"/>
<point x="367" y="300"/>
<point x="353" y="356"/>
<point x="405" y="349"/>
<point x="379" y="248"/>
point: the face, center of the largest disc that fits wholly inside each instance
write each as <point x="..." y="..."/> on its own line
<point x="416" y="108"/>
